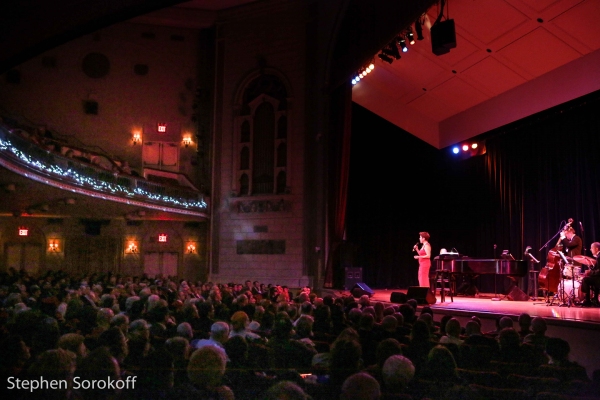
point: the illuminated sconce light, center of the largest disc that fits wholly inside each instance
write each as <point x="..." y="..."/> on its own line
<point x="23" y="231"/>
<point x="162" y="238"/>
<point x="187" y="141"/>
<point x="162" y="128"/>
<point x="54" y="246"/>
<point x="136" y="137"/>
<point x="191" y="248"/>
<point x="131" y="248"/>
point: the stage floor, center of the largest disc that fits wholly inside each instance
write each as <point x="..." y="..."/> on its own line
<point x="491" y="306"/>
<point x="579" y="326"/>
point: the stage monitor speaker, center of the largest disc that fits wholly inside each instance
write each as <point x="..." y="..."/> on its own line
<point x="361" y="289"/>
<point x="422" y="294"/>
<point x="443" y="37"/>
<point x="517" y="294"/>
<point x="352" y="277"/>
<point x="398" y="298"/>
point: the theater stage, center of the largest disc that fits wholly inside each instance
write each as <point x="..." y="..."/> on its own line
<point x="579" y="326"/>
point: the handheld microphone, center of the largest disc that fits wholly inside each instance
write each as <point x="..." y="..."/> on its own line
<point x="416" y="246"/>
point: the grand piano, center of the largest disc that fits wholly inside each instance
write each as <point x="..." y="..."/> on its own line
<point x="458" y="265"/>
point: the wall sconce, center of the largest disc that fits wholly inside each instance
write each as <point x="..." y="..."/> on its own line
<point x="187" y="141"/>
<point x="191" y="248"/>
<point x="136" y="137"/>
<point x="54" y="246"/>
<point x="131" y="248"/>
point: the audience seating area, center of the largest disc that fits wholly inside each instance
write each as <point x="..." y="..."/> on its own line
<point x="251" y="340"/>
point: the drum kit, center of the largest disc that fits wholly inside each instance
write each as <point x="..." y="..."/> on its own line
<point x="570" y="287"/>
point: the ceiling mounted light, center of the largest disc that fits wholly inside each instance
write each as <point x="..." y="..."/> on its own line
<point x="410" y="37"/>
<point x="385" y="58"/>
<point x="403" y="45"/>
<point x="419" y="28"/>
<point x="391" y="50"/>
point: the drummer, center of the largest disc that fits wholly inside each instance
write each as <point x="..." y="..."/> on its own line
<point x="591" y="277"/>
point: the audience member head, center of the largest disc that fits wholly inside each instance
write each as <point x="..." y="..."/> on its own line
<point x="558" y="350"/>
<point x="387" y="348"/>
<point x="207" y="366"/>
<point x="285" y="390"/>
<point x="157" y="370"/>
<point x="524" y="321"/>
<point x="178" y="347"/>
<point x="408" y="312"/>
<point x="538" y="325"/>
<point x="360" y="386"/>
<point x="304" y="326"/>
<point x="239" y="321"/>
<point x="121" y="321"/>
<point x="185" y="330"/>
<point x="453" y="328"/>
<point x="53" y="365"/>
<point x="345" y="359"/>
<point x="509" y="339"/>
<point x="237" y="350"/>
<point x="115" y="340"/>
<point x="74" y="342"/>
<point x="139" y="327"/>
<point x="398" y="371"/>
<point x="441" y="363"/>
<point x="472" y="328"/>
<point x="99" y="365"/>
<point x="389" y="323"/>
<point x="219" y="331"/>
<point x="505" y="322"/>
<point x="420" y="331"/>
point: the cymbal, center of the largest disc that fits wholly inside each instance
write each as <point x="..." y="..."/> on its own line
<point x="585" y="260"/>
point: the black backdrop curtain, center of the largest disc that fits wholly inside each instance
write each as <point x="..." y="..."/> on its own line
<point x="536" y="173"/>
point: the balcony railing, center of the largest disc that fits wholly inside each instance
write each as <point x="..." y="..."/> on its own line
<point x="20" y="154"/>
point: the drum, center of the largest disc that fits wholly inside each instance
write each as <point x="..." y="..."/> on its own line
<point x="571" y="272"/>
<point x="571" y="288"/>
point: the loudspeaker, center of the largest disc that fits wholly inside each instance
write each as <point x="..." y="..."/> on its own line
<point x="352" y="277"/>
<point x="517" y="294"/>
<point x="360" y="289"/>
<point x="398" y="298"/>
<point x="422" y="294"/>
<point x="443" y="37"/>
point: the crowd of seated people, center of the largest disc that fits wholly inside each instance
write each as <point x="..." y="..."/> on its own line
<point x="171" y="339"/>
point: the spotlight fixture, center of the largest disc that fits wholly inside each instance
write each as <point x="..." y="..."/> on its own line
<point x="410" y="37"/>
<point x="419" y="29"/>
<point x="469" y="149"/>
<point x="403" y="45"/>
<point x="363" y="72"/>
<point x="385" y="58"/>
<point x="391" y="50"/>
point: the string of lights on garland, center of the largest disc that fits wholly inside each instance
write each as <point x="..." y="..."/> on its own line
<point x="94" y="183"/>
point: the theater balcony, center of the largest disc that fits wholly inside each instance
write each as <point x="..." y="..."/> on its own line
<point x="46" y="177"/>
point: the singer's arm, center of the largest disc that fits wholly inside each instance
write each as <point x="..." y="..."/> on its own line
<point x="427" y="248"/>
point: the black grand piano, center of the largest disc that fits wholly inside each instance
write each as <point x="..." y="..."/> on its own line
<point x="457" y="265"/>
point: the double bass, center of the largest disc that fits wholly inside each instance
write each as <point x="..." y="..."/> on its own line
<point x="549" y="277"/>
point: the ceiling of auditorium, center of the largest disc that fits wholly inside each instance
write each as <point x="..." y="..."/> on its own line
<point x="508" y="51"/>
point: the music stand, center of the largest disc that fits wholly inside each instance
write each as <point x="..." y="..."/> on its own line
<point x="565" y="302"/>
